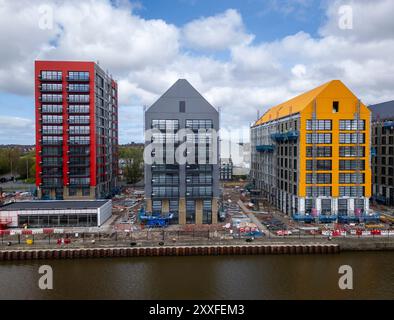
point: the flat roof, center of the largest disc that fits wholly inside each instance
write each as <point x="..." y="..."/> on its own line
<point x="54" y="205"/>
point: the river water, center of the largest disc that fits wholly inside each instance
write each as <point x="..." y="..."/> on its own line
<point x="207" y="277"/>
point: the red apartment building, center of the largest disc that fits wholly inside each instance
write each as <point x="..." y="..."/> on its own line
<point x="76" y="130"/>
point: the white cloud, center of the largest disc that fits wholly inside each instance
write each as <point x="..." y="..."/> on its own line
<point x="148" y="56"/>
<point x="217" y="32"/>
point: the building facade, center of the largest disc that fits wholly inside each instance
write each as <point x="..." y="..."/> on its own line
<point x="311" y="155"/>
<point x="226" y="169"/>
<point x="52" y="214"/>
<point x="76" y="130"/>
<point x="188" y="188"/>
<point x="383" y="152"/>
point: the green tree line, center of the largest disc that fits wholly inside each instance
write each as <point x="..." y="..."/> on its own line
<point x="18" y="164"/>
<point x="133" y="168"/>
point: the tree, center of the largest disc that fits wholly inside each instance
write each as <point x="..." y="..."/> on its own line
<point x="133" y="163"/>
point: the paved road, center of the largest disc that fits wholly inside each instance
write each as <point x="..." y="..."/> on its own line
<point x="255" y="220"/>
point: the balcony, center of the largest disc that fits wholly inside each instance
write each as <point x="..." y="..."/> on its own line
<point x="199" y="195"/>
<point x="165" y="195"/>
<point x="51" y="143"/>
<point x="50" y="79"/>
<point x="78" y="101"/>
<point x="198" y="168"/>
<point x="50" y="100"/>
<point x="165" y="182"/>
<point x="165" y="168"/>
<point x="78" y="79"/>
<point x="57" y="89"/>
<point x="78" y="90"/>
<point x="285" y="136"/>
<point x="265" y="148"/>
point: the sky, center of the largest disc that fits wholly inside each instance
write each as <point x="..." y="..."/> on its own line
<point x="244" y="56"/>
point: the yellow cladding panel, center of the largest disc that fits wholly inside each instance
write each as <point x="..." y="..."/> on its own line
<point x="334" y="91"/>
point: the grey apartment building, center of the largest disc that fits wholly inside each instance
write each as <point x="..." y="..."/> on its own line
<point x="383" y="152"/>
<point x="189" y="189"/>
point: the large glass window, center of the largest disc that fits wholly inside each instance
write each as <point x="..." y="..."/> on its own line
<point x="321" y="125"/>
<point x="76" y="108"/>
<point x="77" y="87"/>
<point x="168" y="125"/>
<point x="79" y="98"/>
<point x="51" y="75"/>
<point x="78" y="75"/>
<point x="51" y="98"/>
<point x="51" y="108"/>
<point x="351" y="151"/>
<point x="351" y="178"/>
<point x="199" y="124"/>
<point x="323" y="165"/>
<point x="318" y="191"/>
<point x="351" y="191"/>
<point x="318" y="138"/>
<point x="51" y="87"/>
<point x="321" y="178"/>
<point x="351" y="138"/>
<point x="321" y="152"/>
<point x="351" y="164"/>
<point x="190" y="212"/>
<point x="351" y="125"/>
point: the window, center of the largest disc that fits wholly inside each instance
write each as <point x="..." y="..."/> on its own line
<point x="351" y="151"/>
<point x="319" y="138"/>
<point x="351" y="191"/>
<point x="321" y="178"/>
<point x="51" y="75"/>
<point x="182" y="106"/>
<point x="351" y="164"/>
<point x="322" y="125"/>
<point x="75" y="87"/>
<point x="79" y="119"/>
<point x="51" y="108"/>
<point x="335" y="106"/>
<point x="78" y="98"/>
<point x="351" y="125"/>
<point x="321" y="152"/>
<point x="52" y="98"/>
<point x="78" y="75"/>
<point x="321" y="165"/>
<point x="76" y="108"/>
<point x="350" y="178"/>
<point x="167" y="125"/>
<point x="351" y="138"/>
<point x="51" y="87"/>
<point x="199" y="124"/>
<point x="318" y="191"/>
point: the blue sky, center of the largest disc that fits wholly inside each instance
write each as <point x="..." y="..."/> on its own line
<point x="243" y="56"/>
<point x="268" y="20"/>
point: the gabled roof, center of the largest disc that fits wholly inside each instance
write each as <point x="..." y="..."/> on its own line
<point x="384" y="110"/>
<point x="296" y="104"/>
<point x="181" y="89"/>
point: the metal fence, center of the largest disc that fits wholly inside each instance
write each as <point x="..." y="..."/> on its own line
<point x="165" y="236"/>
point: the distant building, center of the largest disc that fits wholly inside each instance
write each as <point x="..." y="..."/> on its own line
<point x="189" y="190"/>
<point x="45" y="214"/>
<point x="226" y="169"/>
<point x="76" y="130"/>
<point x="383" y="152"/>
<point x="311" y="155"/>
